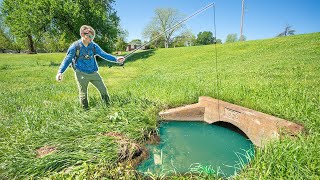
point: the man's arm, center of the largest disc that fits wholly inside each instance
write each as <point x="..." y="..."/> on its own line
<point x="66" y="61"/>
<point x="108" y="57"/>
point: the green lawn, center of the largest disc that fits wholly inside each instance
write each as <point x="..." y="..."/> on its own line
<point x="278" y="76"/>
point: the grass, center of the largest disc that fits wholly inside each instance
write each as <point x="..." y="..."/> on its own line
<point x="276" y="76"/>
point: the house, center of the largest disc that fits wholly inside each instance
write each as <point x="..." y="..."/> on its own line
<point x="134" y="45"/>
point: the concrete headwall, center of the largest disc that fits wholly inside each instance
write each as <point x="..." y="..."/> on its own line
<point x="259" y="127"/>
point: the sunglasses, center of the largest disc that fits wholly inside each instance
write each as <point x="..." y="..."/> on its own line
<point x="89" y="35"/>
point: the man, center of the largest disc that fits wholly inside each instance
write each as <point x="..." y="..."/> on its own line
<point x="81" y="54"/>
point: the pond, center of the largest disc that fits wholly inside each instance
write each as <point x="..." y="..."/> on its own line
<point x="197" y="147"/>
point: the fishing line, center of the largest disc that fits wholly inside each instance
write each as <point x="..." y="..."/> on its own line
<point x="175" y="26"/>
<point x="216" y="57"/>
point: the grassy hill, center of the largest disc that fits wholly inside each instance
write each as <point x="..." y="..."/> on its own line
<point x="276" y="76"/>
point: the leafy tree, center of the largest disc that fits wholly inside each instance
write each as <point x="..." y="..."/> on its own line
<point x="50" y="43"/>
<point x="231" y="38"/>
<point x="164" y="19"/>
<point x="18" y="43"/>
<point x="121" y="44"/>
<point x="69" y="16"/>
<point x="218" y="41"/>
<point x="136" y="41"/>
<point x="178" y="41"/>
<point x="157" y="42"/>
<point x="4" y="41"/>
<point x="204" y="38"/>
<point x="186" y="38"/>
<point x="11" y="41"/>
<point x="121" y="40"/>
<point x="32" y="19"/>
<point x="26" y="18"/>
<point x="243" y="38"/>
<point x="287" y="31"/>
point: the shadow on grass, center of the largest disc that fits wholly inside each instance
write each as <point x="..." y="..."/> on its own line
<point x="136" y="56"/>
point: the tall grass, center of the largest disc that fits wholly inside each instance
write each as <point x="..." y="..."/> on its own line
<point x="275" y="76"/>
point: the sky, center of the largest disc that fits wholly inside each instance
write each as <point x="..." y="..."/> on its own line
<point x="262" y="18"/>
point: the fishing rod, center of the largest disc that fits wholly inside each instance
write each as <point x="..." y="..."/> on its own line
<point x="161" y="34"/>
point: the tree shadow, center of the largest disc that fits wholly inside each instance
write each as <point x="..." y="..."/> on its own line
<point x="136" y="56"/>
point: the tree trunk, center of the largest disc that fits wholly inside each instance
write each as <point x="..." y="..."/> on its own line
<point x="32" y="50"/>
<point x="165" y="44"/>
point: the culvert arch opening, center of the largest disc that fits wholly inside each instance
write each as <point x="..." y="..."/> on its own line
<point x="231" y="127"/>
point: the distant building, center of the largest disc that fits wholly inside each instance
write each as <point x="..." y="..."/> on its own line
<point x="134" y="45"/>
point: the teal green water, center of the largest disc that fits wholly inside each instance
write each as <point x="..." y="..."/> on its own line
<point x="197" y="147"/>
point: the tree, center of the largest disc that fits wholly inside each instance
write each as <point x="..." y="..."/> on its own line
<point x="69" y="16"/>
<point x="287" y="31"/>
<point x="186" y="38"/>
<point x="158" y="41"/>
<point x="26" y="18"/>
<point x="204" y="38"/>
<point x="136" y="41"/>
<point x="120" y="44"/>
<point x="4" y="41"/>
<point x="231" y="38"/>
<point x="242" y="38"/>
<point x="32" y="19"/>
<point x="121" y="40"/>
<point x="218" y="41"/>
<point x="164" y="19"/>
<point x="50" y="43"/>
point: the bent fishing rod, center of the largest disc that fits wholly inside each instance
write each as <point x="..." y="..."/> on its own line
<point x="172" y="28"/>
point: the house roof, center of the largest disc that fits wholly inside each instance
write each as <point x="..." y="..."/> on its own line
<point x="135" y="43"/>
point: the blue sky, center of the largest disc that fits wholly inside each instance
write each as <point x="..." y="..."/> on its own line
<point x="263" y="18"/>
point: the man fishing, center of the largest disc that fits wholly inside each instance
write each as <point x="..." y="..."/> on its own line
<point x="81" y="54"/>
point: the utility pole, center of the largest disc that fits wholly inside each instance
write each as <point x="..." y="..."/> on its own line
<point x="241" y="25"/>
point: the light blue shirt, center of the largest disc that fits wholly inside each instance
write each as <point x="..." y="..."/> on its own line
<point x="87" y="65"/>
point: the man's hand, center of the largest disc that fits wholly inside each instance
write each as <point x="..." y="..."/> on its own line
<point x="121" y="59"/>
<point x="59" y="77"/>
